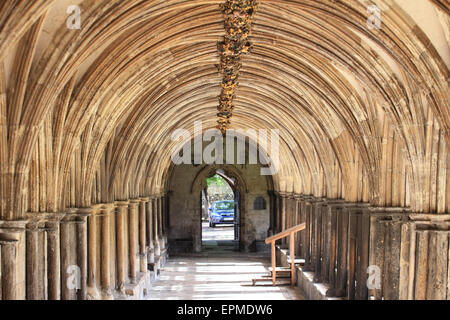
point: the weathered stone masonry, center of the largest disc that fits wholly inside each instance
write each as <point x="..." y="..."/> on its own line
<point x="343" y="239"/>
<point x="102" y="252"/>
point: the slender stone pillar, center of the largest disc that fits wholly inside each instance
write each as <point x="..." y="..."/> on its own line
<point x="12" y="246"/>
<point x="105" y="216"/>
<point x="342" y="245"/>
<point x="143" y="235"/>
<point x="9" y="275"/>
<point x="122" y="207"/>
<point x="317" y="242"/>
<point x="156" y="236"/>
<point x="425" y="257"/>
<point x="335" y="208"/>
<point x="363" y="240"/>
<point x="160" y="223"/>
<point x="166" y="217"/>
<point x="270" y="232"/>
<point x="53" y="256"/>
<point x="351" y="256"/>
<point x="385" y="225"/>
<point x="276" y="213"/>
<point x="163" y="218"/>
<point x="81" y="228"/>
<point x="325" y="245"/>
<point x="33" y="255"/>
<point x="93" y="230"/>
<point x="150" y="241"/>
<point x="308" y="231"/>
<point x="66" y="291"/>
<point x="299" y="218"/>
<point x="133" y="239"/>
<point x="283" y="199"/>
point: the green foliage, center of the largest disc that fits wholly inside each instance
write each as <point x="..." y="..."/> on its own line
<point x="218" y="180"/>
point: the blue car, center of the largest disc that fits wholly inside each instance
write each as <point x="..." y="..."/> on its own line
<point x="221" y="212"/>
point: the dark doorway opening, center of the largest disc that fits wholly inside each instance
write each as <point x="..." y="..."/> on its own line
<point x="220" y="213"/>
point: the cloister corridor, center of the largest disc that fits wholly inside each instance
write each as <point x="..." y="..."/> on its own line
<point x="221" y="276"/>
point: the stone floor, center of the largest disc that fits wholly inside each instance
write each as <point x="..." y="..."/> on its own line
<point x="218" y="274"/>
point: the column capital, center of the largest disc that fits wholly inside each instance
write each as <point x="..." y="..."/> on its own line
<point x="283" y="194"/>
<point x="297" y="196"/>
<point x="419" y="217"/>
<point x="308" y="198"/>
<point x="121" y="203"/>
<point x="134" y="202"/>
<point x="392" y="210"/>
<point x="106" y="209"/>
<point x="34" y="217"/>
<point x="144" y="199"/>
<point x="435" y="222"/>
<point x="44" y="220"/>
<point x="86" y="212"/>
<point x="100" y="209"/>
<point x="291" y="196"/>
<point x="336" y="202"/>
<point x="319" y="200"/>
<point x="10" y="231"/>
<point x="77" y="214"/>
<point x="96" y="208"/>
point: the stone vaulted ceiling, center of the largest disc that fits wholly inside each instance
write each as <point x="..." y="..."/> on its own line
<point x="86" y="115"/>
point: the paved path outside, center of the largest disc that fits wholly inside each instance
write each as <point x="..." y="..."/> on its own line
<point x="220" y="232"/>
<point x="220" y="274"/>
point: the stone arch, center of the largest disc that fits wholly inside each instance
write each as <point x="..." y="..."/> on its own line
<point x="199" y="183"/>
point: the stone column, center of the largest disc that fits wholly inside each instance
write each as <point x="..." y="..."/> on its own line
<point x="334" y="208"/>
<point x="33" y="260"/>
<point x="385" y="225"/>
<point x="342" y="248"/>
<point x="306" y="204"/>
<point x="299" y="218"/>
<point x="143" y="235"/>
<point x="425" y="271"/>
<point x="81" y="228"/>
<point x="53" y="256"/>
<point x="160" y="224"/>
<point x="151" y="248"/>
<point x="93" y="230"/>
<point x="166" y="221"/>
<point x="12" y="245"/>
<point x="283" y="199"/>
<point x="156" y="235"/>
<point x="270" y="232"/>
<point x="133" y="238"/>
<point x="65" y="243"/>
<point x="317" y="238"/>
<point x="105" y="217"/>
<point x="322" y="276"/>
<point x="8" y="267"/>
<point x="362" y="251"/>
<point x="121" y="213"/>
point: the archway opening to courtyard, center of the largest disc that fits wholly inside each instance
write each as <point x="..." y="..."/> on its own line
<point x="220" y="206"/>
<point x="220" y="213"/>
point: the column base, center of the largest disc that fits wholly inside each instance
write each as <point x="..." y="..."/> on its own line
<point x="107" y="295"/>
<point x="93" y="294"/>
<point x="137" y="291"/>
